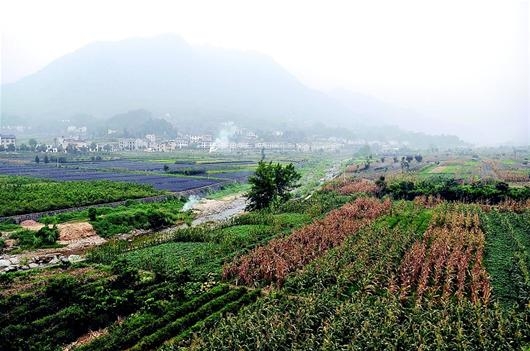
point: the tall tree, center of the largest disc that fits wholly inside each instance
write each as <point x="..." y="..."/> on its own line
<point x="271" y="183"/>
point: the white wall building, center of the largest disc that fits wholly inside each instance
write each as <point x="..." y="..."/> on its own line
<point x="7" y="139"/>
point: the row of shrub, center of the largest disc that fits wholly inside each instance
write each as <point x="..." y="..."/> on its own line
<point x="452" y="190"/>
<point x="188" y="171"/>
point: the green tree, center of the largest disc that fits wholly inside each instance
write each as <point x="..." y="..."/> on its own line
<point x="92" y="214"/>
<point x="37" y="159"/>
<point x="32" y="143"/>
<point x="46" y="159"/>
<point x="262" y="154"/>
<point x="271" y="183"/>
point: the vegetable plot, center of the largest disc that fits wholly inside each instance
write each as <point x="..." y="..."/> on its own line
<point x="272" y="263"/>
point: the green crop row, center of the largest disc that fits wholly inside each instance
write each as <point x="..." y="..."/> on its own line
<point x="507" y="255"/>
<point x="143" y="323"/>
<point x="178" y="325"/>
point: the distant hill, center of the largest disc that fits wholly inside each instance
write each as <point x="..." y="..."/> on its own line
<point x="167" y="76"/>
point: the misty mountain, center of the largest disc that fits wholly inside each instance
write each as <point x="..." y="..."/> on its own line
<point x="167" y="84"/>
<point x="170" y="78"/>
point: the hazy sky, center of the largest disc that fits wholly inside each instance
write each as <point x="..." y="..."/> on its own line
<point x="462" y="65"/>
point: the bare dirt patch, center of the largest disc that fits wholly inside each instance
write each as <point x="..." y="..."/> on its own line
<point x="209" y="210"/>
<point x="75" y="231"/>
<point x="67" y="231"/>
<point x="31" y="225"/>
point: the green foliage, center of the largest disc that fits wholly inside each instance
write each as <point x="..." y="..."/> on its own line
<point x="230" y="189"/>
<point x="88" y="307"/>
<point x="174" y="327"/>
<point x="126" y="275"/>
<point x="364" y="322"/>
<point x="507" y="255"/>
<point x="124" y="222"/>
<point x="61" y="289"/>
<point x="29" y="239"/>
<point x="187" y="171"/>
<point x="25" y="195"/>
<point x="453" y="190"/>
<point x="171" y="259"/>
<point x="271" y="184"/>
<point x="92" y="214"/>
<point x="8" y="225"/>
<point x="122" y="219"/>
<point x="47" y="235"/>
<point x="145" y="323"/>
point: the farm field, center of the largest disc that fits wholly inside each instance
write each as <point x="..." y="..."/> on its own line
<point x="25" y="195"/>
<point x="166" y="173"/>
<point x="412" y="260"/>
<point x="157" y="181"/>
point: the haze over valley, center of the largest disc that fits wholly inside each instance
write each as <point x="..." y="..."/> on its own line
<point x="213" y="81"/>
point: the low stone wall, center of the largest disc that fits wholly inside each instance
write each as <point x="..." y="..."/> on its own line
<point x="37" y="215"/>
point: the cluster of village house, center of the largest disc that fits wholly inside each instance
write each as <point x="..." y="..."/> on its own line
<point x="151" y="143"/>
<point x="203" y="142"/>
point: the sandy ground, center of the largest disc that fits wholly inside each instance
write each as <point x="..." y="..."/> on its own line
<point x="208" y="210"/>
